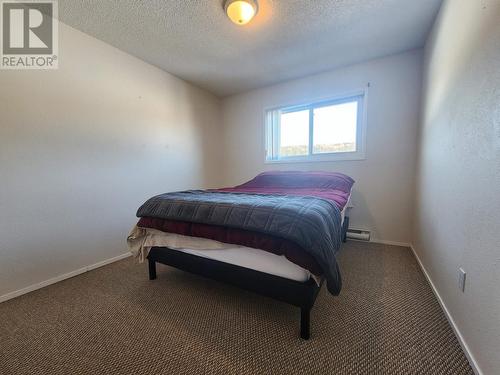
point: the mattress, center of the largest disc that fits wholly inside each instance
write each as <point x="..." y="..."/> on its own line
<point x="256" y="259"/>
<point x="142" y="239"/>
<point x="342" y="213"/>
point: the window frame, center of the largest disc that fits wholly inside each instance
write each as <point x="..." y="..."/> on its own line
<point x="271" y="141"/>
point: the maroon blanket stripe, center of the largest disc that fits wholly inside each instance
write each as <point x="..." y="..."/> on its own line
<point x="333" y="186"/>
<point x="271" y="244"/>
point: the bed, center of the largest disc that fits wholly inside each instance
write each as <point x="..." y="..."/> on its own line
<point x="275" y="235"/>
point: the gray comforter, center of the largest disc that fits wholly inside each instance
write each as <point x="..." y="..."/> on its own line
<point x="312" y="223"/>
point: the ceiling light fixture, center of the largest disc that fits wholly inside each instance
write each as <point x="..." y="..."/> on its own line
<point x="241" y="11"/>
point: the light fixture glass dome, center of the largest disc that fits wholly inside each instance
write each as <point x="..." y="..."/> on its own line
<point x="241" y="11"/>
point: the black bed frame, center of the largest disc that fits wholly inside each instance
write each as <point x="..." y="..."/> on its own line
<point x="300" y="294"/>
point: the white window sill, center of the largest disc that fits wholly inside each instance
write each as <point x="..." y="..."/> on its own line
<point x="347" y="156"/>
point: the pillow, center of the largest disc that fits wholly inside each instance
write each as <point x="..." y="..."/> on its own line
<point x="301" y="180"/>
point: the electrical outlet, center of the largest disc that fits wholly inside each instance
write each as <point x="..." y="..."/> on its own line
<point x="461" y="279"/>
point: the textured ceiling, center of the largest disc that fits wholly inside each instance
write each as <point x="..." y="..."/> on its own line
<point x="194" y="40"/>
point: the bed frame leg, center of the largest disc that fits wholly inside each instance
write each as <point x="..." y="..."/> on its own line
<point x="345" y="227"/>
<point x="305" y="322"/>
<point x="152" y="269"/>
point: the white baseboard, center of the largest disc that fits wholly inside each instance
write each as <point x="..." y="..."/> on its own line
<point x="383" y="242"/>
<point x="392" y="243"/>
<point x="458" y="334"/>
<point x="65" y="276"/>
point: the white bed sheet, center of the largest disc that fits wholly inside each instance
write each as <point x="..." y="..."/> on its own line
<point x="255" y="259"/>
<point x="259" y="260"/>
<point x="342" y="213"/>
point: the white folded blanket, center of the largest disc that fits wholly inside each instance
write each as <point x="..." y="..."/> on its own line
<point x="141" y="240"/>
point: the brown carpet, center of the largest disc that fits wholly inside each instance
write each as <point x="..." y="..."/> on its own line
<point x="113" y="320"/>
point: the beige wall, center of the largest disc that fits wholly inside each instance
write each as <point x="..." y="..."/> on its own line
<point x="83" y="146"/>
<point x="457" y="221"/>
<point x="384" y="189"/>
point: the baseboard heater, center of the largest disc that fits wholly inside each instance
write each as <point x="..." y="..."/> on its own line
<point x="358" y="234"/>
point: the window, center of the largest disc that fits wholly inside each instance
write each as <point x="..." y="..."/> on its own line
<point x="326" y="130"/>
